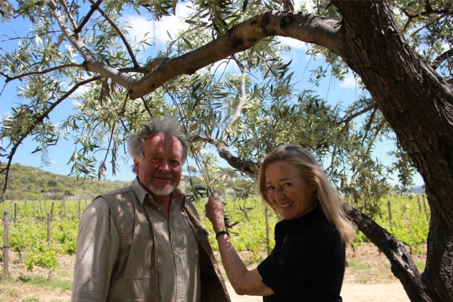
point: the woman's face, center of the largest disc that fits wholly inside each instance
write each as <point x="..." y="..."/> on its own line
<point x="292" y="196"/>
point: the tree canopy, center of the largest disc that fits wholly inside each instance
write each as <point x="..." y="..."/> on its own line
<point x="400" y="52"/>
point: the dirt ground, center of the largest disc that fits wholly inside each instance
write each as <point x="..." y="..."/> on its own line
<point x="368" y="279"/>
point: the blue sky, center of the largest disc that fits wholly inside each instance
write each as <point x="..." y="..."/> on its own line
<point x="329" y="89"/>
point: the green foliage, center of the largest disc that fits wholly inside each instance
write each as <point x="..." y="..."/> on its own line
<point x="410" y="220"/>
<point x="272" y="107"/>
<point x="406" y="217"/>
<point x="409" y="223"/>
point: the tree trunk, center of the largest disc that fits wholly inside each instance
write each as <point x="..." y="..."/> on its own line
<point x="419" y="107"/>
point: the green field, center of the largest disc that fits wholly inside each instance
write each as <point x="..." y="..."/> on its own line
<point x="28" y="234"/>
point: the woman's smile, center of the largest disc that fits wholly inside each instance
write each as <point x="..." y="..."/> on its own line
<point x="288" y="190"/>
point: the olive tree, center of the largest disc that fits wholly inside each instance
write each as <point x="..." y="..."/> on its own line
<point x="400" y="51"/>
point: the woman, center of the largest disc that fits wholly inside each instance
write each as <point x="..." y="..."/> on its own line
<point x="308" y="260"/>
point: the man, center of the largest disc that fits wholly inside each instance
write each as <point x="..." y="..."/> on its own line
<point x="146" y="242"/>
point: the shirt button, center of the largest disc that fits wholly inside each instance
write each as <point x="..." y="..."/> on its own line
<point x="158" y="208"/>
<point x="281" y="261"/>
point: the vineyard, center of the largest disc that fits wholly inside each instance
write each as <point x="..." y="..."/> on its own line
<point x="36" y="232"/>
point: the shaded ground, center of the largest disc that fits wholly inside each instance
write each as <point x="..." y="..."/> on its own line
<point x="368" y="279"/>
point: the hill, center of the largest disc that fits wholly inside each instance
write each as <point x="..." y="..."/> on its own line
<point x="31" y="182"/>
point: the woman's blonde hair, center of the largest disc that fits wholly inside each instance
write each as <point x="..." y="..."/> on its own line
<point x="313" y="175"/>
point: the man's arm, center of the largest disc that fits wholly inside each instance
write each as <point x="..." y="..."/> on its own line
<point x="97" y="249"/>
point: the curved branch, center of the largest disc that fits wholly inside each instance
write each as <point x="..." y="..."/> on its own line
<point x="368" y="125"/>
<point x="8" y="79"/>
<point x="444" y="56"/>
<point x="91" y="63"/>
<point x="38" y="121"/>
<point x="242" y="99"/>
<point x="102" y="168"/>
<point x="305" y="27"/>
<point x="402" y="265"/>
<point x="248" y="167"/>
<point x="348" y="119"/>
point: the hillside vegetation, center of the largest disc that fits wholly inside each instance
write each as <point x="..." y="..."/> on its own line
<point x="34" y="183"/>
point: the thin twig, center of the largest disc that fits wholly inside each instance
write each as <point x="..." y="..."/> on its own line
<point x="353" y="116"/>
<point x="68" y="13"/>
<point x="88" y="16"/>
<point x="36" y="123"/>
<point x="8" y="79"/>
<point x="118" y="31"/>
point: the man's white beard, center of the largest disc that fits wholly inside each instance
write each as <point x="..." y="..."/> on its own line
<point x="162" y="192"/>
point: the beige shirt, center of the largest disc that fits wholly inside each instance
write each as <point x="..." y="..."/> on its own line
<point x="119" y="257"/>
<point x="177" y="253"/>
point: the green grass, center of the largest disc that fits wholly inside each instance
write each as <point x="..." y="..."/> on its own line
<point x="54" y="283"/>
<point x="357" y="265"/>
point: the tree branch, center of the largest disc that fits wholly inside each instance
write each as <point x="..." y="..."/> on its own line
<point x="242" y="99"/>
<point x="8" y="78"/>
<point x="348" y="119"/>
<point x="305" y="27"/>
<point x="402" y="265"/>
<point x="368" y="125"/>
<point x="118" y="31"/>
<point x="444" y="56"/>
<point x="91" y="63"/>
<point x="68" y="13"/>
<point x="38" y="121"/>
<point x="88" y="16"/>
<point x="248" y="167"/>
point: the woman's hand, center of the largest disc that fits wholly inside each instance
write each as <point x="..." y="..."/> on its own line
<point x="215" y="213"/>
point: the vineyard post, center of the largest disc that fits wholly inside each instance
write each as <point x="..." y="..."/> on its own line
<point x="390" y="213"/>
<point x="51" y="211"/>
<point x="63" y="210"/>
<point x="419" y="206"/>
<point x="6" y="244"/>
<point x="424" y="205"/>
<point x="34" y="210"/>
<point x="49" y="219"/>
<point x="79" y="208"/>
<point x="15" y="213"/>
<point x="40" y="206"/>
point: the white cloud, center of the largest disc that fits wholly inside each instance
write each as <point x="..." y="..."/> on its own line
<point x="156" y="31"/>
<point x="293" y="43"/>
<point x="349" y="81"/>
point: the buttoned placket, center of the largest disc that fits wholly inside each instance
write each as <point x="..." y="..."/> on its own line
<point x="181" y="282"/>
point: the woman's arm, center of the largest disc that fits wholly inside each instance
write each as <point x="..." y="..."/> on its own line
<point x="244" y="282"/>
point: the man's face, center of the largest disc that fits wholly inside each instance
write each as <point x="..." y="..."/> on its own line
<point x="160" y="169"/>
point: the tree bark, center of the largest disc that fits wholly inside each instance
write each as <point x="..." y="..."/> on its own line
<point x="401" y="262"/>
<point x="418" y="105"/>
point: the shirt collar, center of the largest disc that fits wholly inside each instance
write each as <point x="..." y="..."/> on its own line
<point x="294" y="224"/>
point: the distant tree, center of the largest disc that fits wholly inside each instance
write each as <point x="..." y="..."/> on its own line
<point x="192" y="170"/>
